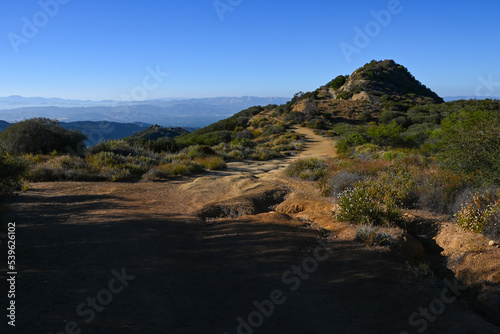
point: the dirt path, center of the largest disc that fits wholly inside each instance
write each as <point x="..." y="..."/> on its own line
<point x="316" y="146"/>
<point x="179" y="274"/>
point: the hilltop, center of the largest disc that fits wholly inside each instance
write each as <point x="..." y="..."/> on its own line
<point x="361" y="97"/>
<point x="381" y="81"/>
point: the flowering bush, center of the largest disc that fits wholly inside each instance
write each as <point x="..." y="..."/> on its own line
<point x="480" y="214"/>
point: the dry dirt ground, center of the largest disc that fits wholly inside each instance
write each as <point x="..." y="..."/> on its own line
<point x="158" y="258"/>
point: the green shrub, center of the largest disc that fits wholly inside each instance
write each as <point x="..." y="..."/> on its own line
<point x="295" y="117"/>
<point x="345" y="95"/>
<point x="344" y="129"/>
<point x="351" y="140"/>
<point x="212" y="163"/>
<point x="264" y="154"/>
<point x="105" y="159"/>
<point x="388" y="116"/>
<point x="12" y="173"/>
<point x="243" y="142"/>
<point x="386" y="135"/>
<point x="307" y="169"/>
<point x="366" y="204"/>
<point x="173" y="169"/>
<point x="41" y="135"/>
<point x="338" y="82"/>
<point x="199" y="151"/>
<point x="471" y="144"/>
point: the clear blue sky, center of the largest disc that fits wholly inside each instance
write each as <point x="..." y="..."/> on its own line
<point x="97" y="50"/>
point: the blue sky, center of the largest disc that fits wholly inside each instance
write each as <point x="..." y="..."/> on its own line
<point x="89" y="49"/>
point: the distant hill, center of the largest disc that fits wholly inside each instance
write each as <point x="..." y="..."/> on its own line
<point x="3" y="125"/>
<point x="102" y="131"/>
<point x="173" y="113"/>
<point x="155" y="132"/>
<point x="381" y="81"/>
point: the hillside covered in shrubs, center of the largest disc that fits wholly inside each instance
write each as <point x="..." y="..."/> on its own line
<point x="399" y="146"/>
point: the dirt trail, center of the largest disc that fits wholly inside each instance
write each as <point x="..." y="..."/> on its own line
<point x="191" y="276"/>
<point x="316" y="145"/>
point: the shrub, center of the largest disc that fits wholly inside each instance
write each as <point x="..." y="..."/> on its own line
<point x="212" y="163"/>
<point x="12" y="173"/>
<point x="366" y="204"/>
<point x="335" y="185"/>
<point x="480" y="214"/>
<point x="105" y="159"/>
<point x="389" y="115"/>
<point x="437" y="189"/>
<point x="471" y="144"/>
<point x="41" y="135"/>
<point x="264" y="154"/>
<point x="338" y="82"/>
<point x="172" y="169"/>
<point x="386" y="135"/>
<point x="199" y="151"/>
<point x="295" y="117"/>
<point x="344" y="129"/>
<point x="164" y="144"/>
<point x="372" y="236"/>
<point x="353" y="139"/>
<point x="345" y="95"/>
<point x="243" y="142"/>
<point x="365" y="116"/>
<point x="307" y="169"/>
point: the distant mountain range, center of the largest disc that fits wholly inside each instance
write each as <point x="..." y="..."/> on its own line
<point x="455" y="98"/>
<point x="165" y="112"/>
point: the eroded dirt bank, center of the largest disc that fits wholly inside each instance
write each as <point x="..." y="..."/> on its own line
<point x="185" y="272"/>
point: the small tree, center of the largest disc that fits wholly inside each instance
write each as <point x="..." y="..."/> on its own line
<point x="40" y="136"/>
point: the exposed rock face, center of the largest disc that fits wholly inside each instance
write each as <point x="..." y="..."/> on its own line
<point x="363" y="96"/>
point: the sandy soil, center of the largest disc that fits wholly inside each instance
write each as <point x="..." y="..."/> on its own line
<point x="260" y="273"/>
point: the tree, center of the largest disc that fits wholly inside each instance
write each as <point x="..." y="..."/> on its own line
<point x="40" y="136"/>
<point x="471" y="144"/>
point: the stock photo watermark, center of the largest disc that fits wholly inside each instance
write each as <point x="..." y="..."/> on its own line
<point x="224" y="6"/>
<point x="420" y="320"/>
<point x="363" y="37"/>
<point x="487" y="84"/>
<point x="31" y="26"/>
<point x="103" y="298"/>
<point x="292" y="279"/>
<point x="11" y="274"/>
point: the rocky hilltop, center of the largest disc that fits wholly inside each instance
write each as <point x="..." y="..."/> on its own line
<point x="380" y="81"/>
